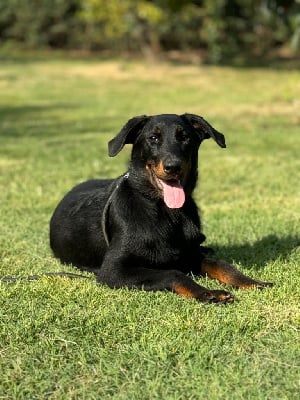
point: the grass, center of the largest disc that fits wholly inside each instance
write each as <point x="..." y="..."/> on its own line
<point x="74" y="339"/>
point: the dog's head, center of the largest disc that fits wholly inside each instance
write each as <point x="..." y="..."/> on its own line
<point x="166" y="147"/>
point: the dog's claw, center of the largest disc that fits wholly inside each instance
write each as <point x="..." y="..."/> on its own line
<point x="217" y="297"/>
<point x="263" y="285"/>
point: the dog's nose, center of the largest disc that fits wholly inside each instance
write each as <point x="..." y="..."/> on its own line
<point x="172" y="167"/>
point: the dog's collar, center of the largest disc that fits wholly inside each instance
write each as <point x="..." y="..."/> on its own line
<point x="104" y="221"/>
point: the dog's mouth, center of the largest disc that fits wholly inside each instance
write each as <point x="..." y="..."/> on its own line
<point x="172" y="191"/>
<point x="170" y="188"/>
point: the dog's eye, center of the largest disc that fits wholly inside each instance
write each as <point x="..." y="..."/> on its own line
<point x="154" y="138"/>
<point x="182" y="136"/>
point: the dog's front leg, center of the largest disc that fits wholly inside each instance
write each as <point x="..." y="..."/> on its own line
<point x="228" y="274"/>
<point x="118" y="274"/>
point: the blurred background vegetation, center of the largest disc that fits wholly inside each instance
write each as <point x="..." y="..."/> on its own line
<point x="214" y="31"/>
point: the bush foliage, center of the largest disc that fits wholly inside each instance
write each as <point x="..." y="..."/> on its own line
<point x="224" y="28"/>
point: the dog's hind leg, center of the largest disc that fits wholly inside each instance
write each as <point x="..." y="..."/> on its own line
<point x="228" y="274"/>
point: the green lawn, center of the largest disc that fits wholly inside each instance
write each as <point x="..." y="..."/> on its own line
<point x="74" y="339"/>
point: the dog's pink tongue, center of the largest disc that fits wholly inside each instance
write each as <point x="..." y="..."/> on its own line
<point x="174" y="196"/>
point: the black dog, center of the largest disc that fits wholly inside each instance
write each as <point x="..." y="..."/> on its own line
<point x="142" y="230"/>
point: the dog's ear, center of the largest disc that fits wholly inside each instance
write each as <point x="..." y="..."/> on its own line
<point x="204" y="129"/>
<point x="127" y="134"/>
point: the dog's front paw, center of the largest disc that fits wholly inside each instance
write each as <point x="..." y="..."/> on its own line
<point x="262" y="285"/>
<point x="216" y="297"/>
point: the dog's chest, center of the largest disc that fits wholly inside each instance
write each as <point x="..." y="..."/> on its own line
<point x="151" y="232"/>
<point x="164" y="236"/>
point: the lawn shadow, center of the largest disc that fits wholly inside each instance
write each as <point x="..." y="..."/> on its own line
<point x="256" y="255"/>
<point x="239" y="61"/>
<point x="48" y="120"/>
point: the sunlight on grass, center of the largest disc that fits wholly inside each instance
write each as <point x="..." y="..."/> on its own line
<point x="74" y="339"/>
